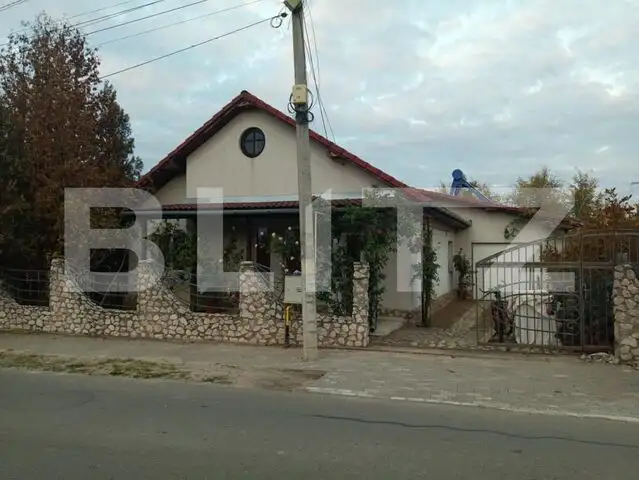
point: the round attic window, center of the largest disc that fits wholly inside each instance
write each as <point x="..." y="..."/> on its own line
<point x="252" y="142"/>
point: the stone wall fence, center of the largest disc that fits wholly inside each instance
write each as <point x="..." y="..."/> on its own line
<point x="258" y="307"/>
<point x="625" y="299"/>
<point x="160" y="314"/>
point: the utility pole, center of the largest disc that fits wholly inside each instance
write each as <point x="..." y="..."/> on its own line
<point x="305" y="190"/>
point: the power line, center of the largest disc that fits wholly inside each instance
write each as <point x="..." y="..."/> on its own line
<point x="104" y="18"/>
<point x="309" y="10"/>
<point x="109" y="16"/>
<point x="164" y="12"/>
<point x="113" y="15"/>
<point x="316" y="78"/>
<point x="100" y="9"/>
<point x="190" y="47"/>
<point x="15" y="3"/>
<point x="210" y="14"/>
<point x="87" y="13"/>
<point x="309" y="54"/>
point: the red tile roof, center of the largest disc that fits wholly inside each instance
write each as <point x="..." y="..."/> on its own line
<point x="413" y="195"/>
<point x="173" y="164"/>
<point x="435" y="200"/>
<point x="274" y="204"/>
<point x="184" y="208"/>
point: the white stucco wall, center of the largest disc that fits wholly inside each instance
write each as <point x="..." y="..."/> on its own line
<point x="486" y="237"/>
<point x="441" y="239"/>
<point x="221" y="163"/>
<point x="173" y="192"/>
<point x="400" y="293"/>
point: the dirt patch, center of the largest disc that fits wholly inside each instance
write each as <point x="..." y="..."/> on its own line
<point x="287" y="379"/>
<point x="117" y="367"/>
<point x="219" y="374"/>
<point x="218" y="379"/>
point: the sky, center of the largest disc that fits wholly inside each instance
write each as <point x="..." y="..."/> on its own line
<point x="418" y="88"/>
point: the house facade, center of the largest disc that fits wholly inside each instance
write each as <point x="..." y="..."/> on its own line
<point x="248" y="150"/>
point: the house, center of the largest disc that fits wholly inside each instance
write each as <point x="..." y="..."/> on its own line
<point x="248" y="148"/>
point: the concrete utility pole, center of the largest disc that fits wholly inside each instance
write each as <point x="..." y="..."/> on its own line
<point x="304" y="185"/>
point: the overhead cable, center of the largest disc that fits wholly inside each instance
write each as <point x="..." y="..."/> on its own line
<point x="14" y="3"/>
<point x="195" y="45"/>
<point x="199" y="17"/>
<point x="146" y="17"/>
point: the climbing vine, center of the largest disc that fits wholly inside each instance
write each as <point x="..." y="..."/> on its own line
<point x="179" y="248"/>
<point x="515" y="226"/>
<point x="464" y="271"/>
<point x="428" y="271"/>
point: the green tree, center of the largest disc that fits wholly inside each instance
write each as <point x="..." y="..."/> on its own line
<point x="616" y="212"/>
<point x="586" y="197"/>
<point x="540" y="188"/>
<point x="60" y="127"/>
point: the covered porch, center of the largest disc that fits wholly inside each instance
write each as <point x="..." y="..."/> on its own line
<point x="266" y="233"/>
<point x="263" y="233"/>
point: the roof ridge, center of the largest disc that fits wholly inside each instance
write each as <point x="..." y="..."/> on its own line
<point x="231" y="108"/>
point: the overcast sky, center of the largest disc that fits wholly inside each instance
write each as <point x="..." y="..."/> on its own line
<point x="416" y="87"/>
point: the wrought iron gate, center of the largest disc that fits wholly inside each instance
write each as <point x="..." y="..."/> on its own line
<point x="554" y="293"/>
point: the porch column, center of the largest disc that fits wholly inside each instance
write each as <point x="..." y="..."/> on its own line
<point x="134" y="260"/>
<point x="359" y="317"/>
<point x="191" y="229"/>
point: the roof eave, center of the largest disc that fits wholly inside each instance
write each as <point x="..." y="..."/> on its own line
<point x="154" y="180"/>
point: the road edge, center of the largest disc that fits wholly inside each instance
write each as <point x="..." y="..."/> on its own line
<point x="491" y="405"/>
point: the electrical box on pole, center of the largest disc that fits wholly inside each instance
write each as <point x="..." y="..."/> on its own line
<point x="293" y="290"/>
<point x="299" y="95"/>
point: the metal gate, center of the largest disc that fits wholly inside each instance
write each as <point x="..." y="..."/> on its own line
<point x="554" y="293"/>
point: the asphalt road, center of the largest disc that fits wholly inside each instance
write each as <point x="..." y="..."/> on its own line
<point x="80" y="427"/>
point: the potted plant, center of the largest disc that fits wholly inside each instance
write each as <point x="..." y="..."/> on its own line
<point x="464" y="281"/>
